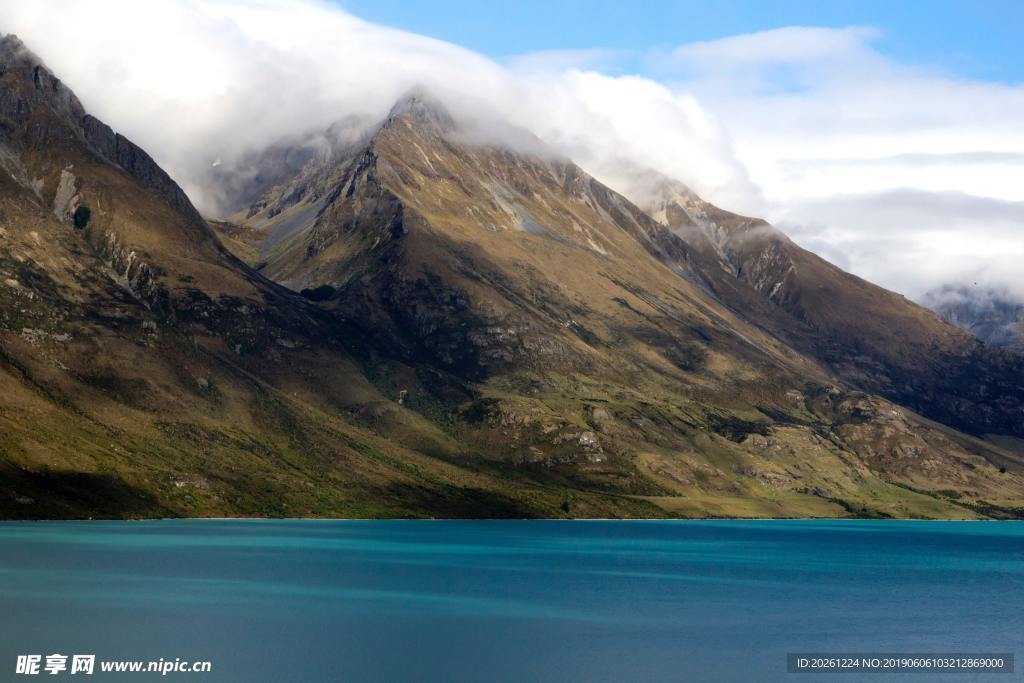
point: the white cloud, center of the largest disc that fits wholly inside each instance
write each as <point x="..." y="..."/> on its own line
<point x="906" y="176"/>
<point x="193" y="82"/>
<point x="793" y="45"/>
<point x="554" y="61"/>
<point x="918" y="238"/>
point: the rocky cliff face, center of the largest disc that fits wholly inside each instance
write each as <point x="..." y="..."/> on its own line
<point x="38" y="110"/>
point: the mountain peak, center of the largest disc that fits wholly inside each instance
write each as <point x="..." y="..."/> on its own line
<point x="420" y="106"/>
<point x="31" y="81"/>
<point x="14" y="54"/>
<point x="11" y="46"/>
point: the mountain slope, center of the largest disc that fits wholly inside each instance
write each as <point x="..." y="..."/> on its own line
<point x="872" y="338"/>
<point x="555" y="326"/>
<point x="145" y="371"/>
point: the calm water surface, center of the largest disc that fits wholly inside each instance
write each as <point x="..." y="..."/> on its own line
<point x="510" y="601"/>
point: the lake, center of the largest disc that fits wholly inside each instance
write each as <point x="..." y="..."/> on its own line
<point x="268" y="600"/>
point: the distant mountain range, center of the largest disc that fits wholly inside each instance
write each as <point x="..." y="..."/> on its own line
<point x="994" y="316"/>
<point x="402" y="319"/>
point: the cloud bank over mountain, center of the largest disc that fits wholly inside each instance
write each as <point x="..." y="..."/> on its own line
<point x="906" y="176"/>
<point x="197" y="82"/>
<point x="909" y="177"/>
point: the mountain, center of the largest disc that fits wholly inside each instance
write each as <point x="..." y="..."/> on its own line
<point x="146" y="371"/>
<point x="993" y="316"/>
<point x="702" y="364"/>
<point x="406" y="318"/>
<point x="870" y="337"/>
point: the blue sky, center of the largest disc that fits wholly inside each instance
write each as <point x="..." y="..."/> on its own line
<point x="978" y="40"/>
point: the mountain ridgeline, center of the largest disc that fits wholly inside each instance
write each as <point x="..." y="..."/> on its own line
<point x="403" y="320"/>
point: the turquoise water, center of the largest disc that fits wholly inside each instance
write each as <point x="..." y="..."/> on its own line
<point x="506" y="600"/>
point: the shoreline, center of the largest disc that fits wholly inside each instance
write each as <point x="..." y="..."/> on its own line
<point x="508" y="519"/>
